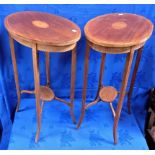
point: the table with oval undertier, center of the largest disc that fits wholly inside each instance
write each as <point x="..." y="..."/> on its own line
<point x="116" y="33"/>
<point x="48" y="33"/>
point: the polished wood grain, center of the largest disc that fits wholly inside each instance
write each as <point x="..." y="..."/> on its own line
<point x="46" y="94"/>
<point x="108" y="94"/>
<point x="118" y="30"/>
<point x="113" y="50"/>
<point x="46" y="48"/>
<point x="117" y="33"/>
<point x="43" y="28"/>
<point x="48" y="33"/>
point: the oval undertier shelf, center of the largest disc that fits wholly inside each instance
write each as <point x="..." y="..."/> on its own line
<point x="46" y="94"/>
<point x="108" y="94"/>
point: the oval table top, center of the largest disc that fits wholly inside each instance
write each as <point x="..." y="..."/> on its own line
<point x="118" y="30"/>
<point x="43" y="28"/>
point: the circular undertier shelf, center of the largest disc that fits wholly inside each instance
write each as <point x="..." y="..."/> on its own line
<point x="46" y="94"/>
<point x="108" y="94"/>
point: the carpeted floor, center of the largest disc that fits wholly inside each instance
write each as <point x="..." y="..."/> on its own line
<point x="58" y="131"/>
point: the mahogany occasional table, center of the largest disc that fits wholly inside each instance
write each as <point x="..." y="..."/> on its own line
<point x="49" y="33"/>
<point x="116" y="33"/>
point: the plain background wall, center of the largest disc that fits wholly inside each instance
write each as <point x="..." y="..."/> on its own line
<point x="60" y="63"/>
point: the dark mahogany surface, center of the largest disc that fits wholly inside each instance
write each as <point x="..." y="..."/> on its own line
<point x="118" y="30"/>
<point x="43" y="28"/>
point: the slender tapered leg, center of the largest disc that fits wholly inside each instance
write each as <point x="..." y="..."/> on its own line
<point x="47" y="55"/>
<point x="37" y="89"/>
<point x="133" y="78"/>
<point x="15" y="70"/>
<point x="73" y="74"/>
<point x="101" y="74"/>
<point x="122" y="92"/>
<point x="85" y="84"/>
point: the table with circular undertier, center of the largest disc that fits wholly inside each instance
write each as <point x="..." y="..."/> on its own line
<point x="116" y="33"/>
<point x="48" y="33"/>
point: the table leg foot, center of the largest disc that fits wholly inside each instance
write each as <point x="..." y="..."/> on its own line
<point x="37" y="136"/>
<point x="115" y="130"/>
<point x="17" y="108"/>
<point x="18" y="104"/>
<point x="72" y="114"/>
<point x="81" y="117"/>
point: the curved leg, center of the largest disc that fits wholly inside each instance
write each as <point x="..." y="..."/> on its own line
<point x="37" y="89"/>
<point x="85" y="84"/>
<point x="134" y="77"/>
<point x="92" y="103"/>
<point x="122" y="92"/>
<point x="47" y="59"/>
<point x="73" y="73"/>
<point x="101" y="74"/>
<point x="15" y="70"/>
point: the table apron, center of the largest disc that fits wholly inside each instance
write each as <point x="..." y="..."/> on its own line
<point x="43" y="47"/>
<point x="113" y="50"/>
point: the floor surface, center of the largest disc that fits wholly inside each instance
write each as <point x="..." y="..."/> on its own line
<point x="58" y="131"/>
